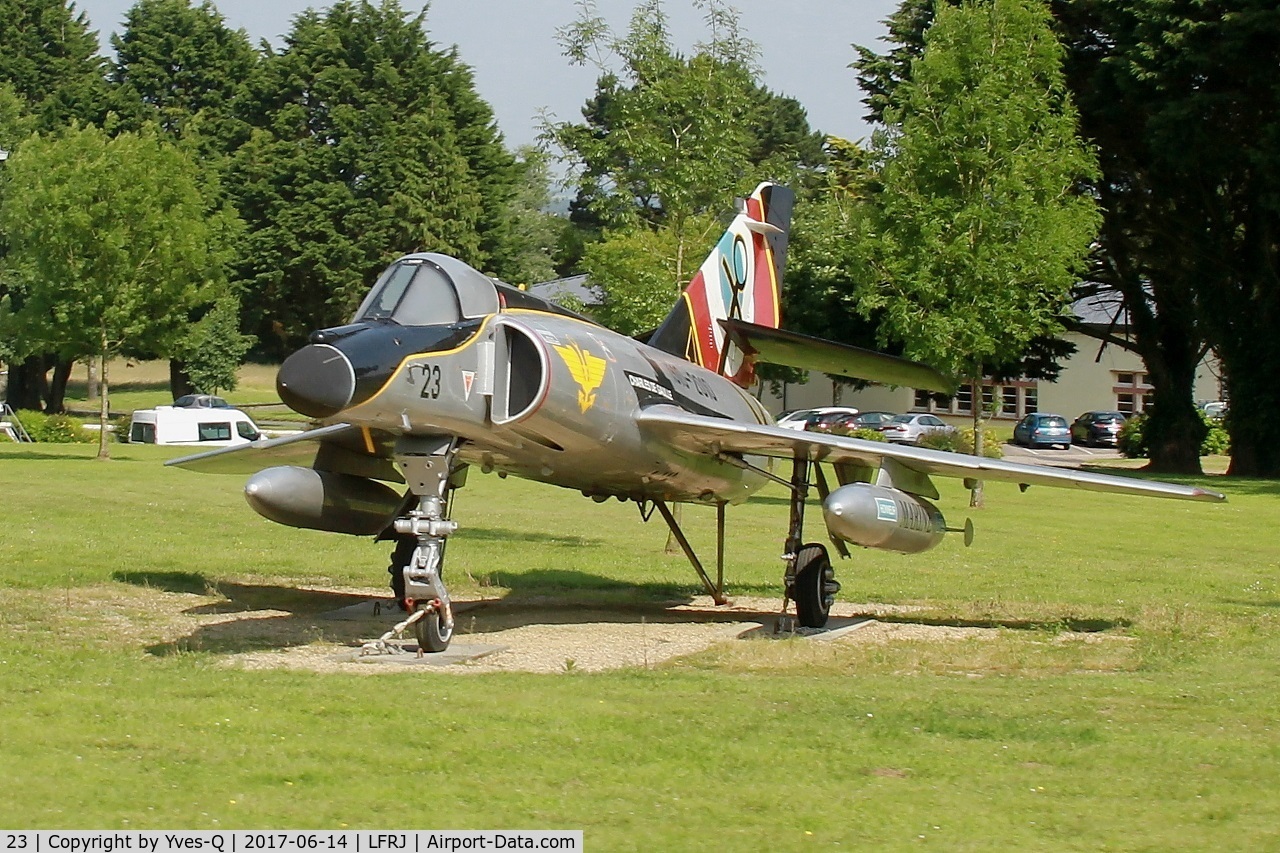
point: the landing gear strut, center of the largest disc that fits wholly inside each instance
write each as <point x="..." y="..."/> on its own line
<point x="809" y="579"/>
<point x="419" y="554"/>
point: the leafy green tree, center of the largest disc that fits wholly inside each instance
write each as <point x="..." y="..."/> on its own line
<point x="50" y="57"/>
<point x="212" y="349"/>
<point x="368" y="142"/>
<point x="50" y="66"/>
<point x="181" y="67"/>
<point x="665" y="142"/>
<point x="110" y="245"/>
<point x="536" y="234"/>
<point x="976" y="233"/>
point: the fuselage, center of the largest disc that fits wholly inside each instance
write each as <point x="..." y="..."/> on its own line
<point x="529" y="389"/>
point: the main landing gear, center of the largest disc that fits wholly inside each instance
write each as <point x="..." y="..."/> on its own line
<point x="809" y="579"/>
<point x="418" y="558"/>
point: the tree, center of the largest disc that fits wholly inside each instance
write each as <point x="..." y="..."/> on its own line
<point x="536" y="234"/>
<point x="212" y="349"/>
<point x="665" y="143"/>
<point x="50" y="57"/>
<point x="49" y="65"/>
<point x="977" y="230"/>
<point x="110" y="245"/>
<point x="368" y="142"/>
<point x="1193" y="242"/>
<point x="181" y="67"/>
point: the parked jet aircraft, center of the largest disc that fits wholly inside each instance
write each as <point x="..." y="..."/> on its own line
<point x="443" y="368"/>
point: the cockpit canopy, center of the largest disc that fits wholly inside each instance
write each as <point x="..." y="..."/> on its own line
<point x="430" y="289"/>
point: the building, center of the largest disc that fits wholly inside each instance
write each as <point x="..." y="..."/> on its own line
<point x="1096" y="377"/>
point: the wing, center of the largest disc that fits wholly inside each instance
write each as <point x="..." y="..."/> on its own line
<point x="341" y="448"/>
<point x="714" y="436"/>
<point x="792" y="349"/>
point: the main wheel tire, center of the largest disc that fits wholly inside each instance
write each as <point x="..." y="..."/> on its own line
<point x="432" y="633"/>
<point x="815" y="586"/>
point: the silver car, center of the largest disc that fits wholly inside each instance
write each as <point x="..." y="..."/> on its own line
<point x="907" y="429"/>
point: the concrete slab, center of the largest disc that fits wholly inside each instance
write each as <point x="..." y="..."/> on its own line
<point x="784" y="627"/>
<point x="408" y="655"/>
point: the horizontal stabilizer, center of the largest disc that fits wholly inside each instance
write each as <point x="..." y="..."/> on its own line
<point x="792" y="349"/>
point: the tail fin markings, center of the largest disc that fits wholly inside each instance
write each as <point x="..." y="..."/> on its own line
<point x="741" y="279"/>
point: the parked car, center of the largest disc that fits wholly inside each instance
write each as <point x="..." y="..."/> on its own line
<point x="867" y="420"/>
<point x="797" y="418"/>
<point x="1097" y="429"/>
<point x="826" y="421"/>
<point x="1215" y="409"/>
<point x="200" y="401"/>
<point x="1043" y="430"/>
<point x="908" y="429"/>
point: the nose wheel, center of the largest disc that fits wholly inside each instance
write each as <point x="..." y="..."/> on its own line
<point x="435" y="629"/>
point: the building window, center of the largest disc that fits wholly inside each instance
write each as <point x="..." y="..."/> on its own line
<point x="922" y="400"/>
<point x="1009" y="401"/>
<point x="1030" y="400"/>
<point x="1133" y="393"/>
<point x="964" y="400"/>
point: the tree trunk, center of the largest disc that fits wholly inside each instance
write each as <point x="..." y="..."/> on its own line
<point x="91" y="380"/>
<point x="27" y="384"/>
<point x="55" y="401"/>
<point x="977" y="498"/>
<point x="104" y="449"/>
<point x="179" y="382"/>
<point x="1174" y="430"/>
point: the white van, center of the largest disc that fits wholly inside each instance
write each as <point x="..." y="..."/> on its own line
<point x="194" y="426"/>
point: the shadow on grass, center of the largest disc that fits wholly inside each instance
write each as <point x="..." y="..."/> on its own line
<point x="502" y="534"/>
<point x="1074" y="624"/>
<point x="242" y="597"/>
<point x="1218" y="482"/>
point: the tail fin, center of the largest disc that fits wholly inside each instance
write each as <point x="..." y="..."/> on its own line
<point x="741" y="279"/>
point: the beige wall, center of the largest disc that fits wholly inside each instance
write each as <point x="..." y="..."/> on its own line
<point x="1087" y="382"/>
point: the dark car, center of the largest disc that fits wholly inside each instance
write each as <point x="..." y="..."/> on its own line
<point x="825" y="420"/>
<point x="866" y="420"/>
<point x="1042" y="430"/>
<point x="1097" y="429"/>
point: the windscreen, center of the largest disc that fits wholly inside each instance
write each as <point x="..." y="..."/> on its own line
<point x="412" y="293"/>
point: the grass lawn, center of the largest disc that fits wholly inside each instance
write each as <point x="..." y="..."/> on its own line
<point x="1155" y="730"/>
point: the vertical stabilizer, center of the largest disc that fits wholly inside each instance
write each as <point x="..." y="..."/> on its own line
<point x="741" y="279"/>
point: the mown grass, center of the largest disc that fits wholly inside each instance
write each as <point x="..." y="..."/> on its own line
<point x="1156" y="729"/>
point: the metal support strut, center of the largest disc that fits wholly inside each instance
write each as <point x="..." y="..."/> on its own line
<point x="716" y="590"/>
<point x="427" y="465"/>
<point x="795" y="528"/>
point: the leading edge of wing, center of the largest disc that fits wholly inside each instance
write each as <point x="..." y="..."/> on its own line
<point x="299" y="449"/>
<point x="699" y="434"/>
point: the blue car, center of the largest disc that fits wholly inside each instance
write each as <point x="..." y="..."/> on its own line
<point x="1042" y="430"/>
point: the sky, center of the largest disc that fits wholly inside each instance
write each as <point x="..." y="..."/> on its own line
<point x="519" y="69"/>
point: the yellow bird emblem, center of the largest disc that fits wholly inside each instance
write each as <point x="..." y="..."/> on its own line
<point x="586" y="369"/>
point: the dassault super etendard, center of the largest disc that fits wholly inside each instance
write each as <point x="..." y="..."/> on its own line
<point x="443" y="368"/>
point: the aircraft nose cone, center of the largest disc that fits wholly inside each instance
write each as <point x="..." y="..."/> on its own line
<point x="317" y="380"/>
